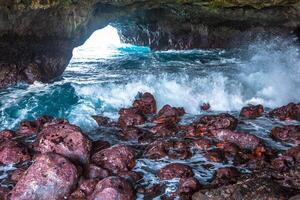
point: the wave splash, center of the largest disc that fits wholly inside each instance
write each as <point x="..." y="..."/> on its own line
<point x="267" y="72"/>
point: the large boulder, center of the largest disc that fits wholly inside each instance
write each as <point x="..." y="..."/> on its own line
<point x="131" y="117"/>
<point x="175" y="170"/>
<point x="216" y="122"/>
<point x="290" y="134"/>
<point x="11" y="152"/>
<point x="146" y="104"/>
<point x="50" y="177"/>
<point x="288" y="112"/>
<point x="116" y="159"/>
<point x="113" y="188"/>
<point x="243" y="140"/>
<point x="168" y="115"/>
<point x="252" y="111"/>
<point x="65" y="139"/>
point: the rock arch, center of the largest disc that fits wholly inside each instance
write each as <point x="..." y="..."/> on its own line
<point x="37" y="36"/>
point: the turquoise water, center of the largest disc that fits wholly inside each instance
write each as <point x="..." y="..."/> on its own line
<point x="104" y="78"/>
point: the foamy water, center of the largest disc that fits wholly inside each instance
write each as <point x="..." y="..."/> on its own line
<point x="106" y="75"/>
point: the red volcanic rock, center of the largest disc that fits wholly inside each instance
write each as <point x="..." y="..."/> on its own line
<point x="243" y="140"/>
<point x="188" y="185"/>
<point x="229" y="149"/>
<point x="205" y="107"/>
<point x="65" y="139"/>
<point x="101" y="121"/>
<point x="224" y="176"/>
<point x="146" y="104"/>
<point x="28" y="128"/>
<point x="94" y="171"/>
<point x="252" y="111"/>
<point x="151" y="191"/>
<point x="175" y="170"/>
<point x="7" y="134"/>
<point x="77" y="195"/>
<point x="17" y="175"/>
<point x="131" y="176"/>
<point x="116" y="159"/>
<point x="51" y="176"/>
<point x="201" y="144"/>
<point x="4" y="193"/>
<point x="288" y="112"/>
<point x="33" y="127"/>
<point x="99" y="145"/>
<point x="172" y="149"/>
<point x="282" y="163"/>
<point x="290" y="134"/>
<point x="169" y="115"/>
<point x="294" y="152"/>
<point x="88" y="186"/>
<point x="163" y="130"/>
<point x="214" y="156"/>
<point x="131" y="133"/>
<point x="131" y="117"/>
<point x="216" y="122"/>
<point x="113" y="188"/>
<point x="11" y="152"/>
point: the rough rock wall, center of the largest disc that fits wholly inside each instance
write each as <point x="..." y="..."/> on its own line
<point x="37" y="36"/>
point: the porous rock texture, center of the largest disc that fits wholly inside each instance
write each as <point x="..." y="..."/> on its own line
<point x="37" y="36"/>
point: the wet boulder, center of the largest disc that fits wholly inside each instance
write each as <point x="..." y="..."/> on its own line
<point x="4" y="193"/>
<point x="282" y="163"/>
<point x="146" y="104"/>
<point x="101" y="121"/>
<point x="131" y="117"/>
<point x="77" y="195"/>
<point x="294" y="152"/>
<point x="243" y="140"/>
<point x="288" y="112"/>
<point x="252" y="111"/>
<point x="289" y="134"/>
<point x="17" y="175"/>
<point x="88" y="186"/>
<point x="201" y="144"/>
<point x="131" y="133"/>
<point x="188" y="186"/>
<point x="205" y="107"/>
<point x="51" y="176"/>
<point x="131" y="176"/>
<point x="65" y="139"/>
<point x="116" y="159"/>
<point x="11" y="152"/>
<point x="164" y="130"/>
<point x="172" y="149"/>
<point x="113" y="188"/>
<point x="216" y="122"/>
<point x="225" y="176"/>
<point x="94" y="171"/>
<point x="214" y="155"/>
<point x="169" y="115"/>
<point x="7" y="134"/>
<point x="99" y="145"/>
<point x="27" y="128"/>
<point x="175" y="170"/>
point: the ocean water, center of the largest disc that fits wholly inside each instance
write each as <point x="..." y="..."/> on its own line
<point x="105" y="75"/>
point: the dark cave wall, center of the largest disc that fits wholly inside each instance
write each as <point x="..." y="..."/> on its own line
<point x="37" y="36"/>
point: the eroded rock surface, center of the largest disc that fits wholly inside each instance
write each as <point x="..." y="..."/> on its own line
<point x="51" y="176"/>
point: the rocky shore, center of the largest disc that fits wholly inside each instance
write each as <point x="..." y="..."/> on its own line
<point x="55" y="160"/>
